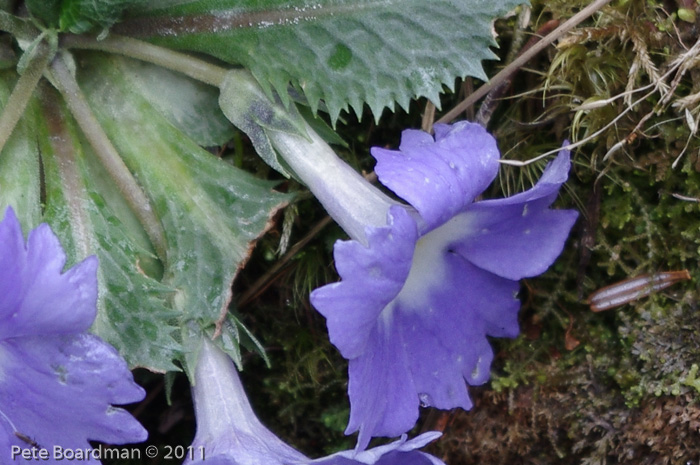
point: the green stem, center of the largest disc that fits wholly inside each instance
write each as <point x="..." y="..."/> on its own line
<point x="19" y="28"/>
<point x="134" y="48"/>
<point x="64" y="80"/>
<point x="23" y="91"/>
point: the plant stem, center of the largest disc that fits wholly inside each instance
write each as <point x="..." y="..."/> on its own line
<point x="108" y="155"/>
<point x="19" y="29"/>
<point x="134" y="48"/>
<point x="23" y="91"/>
<point x="524" y="58"/>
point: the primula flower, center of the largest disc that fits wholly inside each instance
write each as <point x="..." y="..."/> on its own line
<point x="229" y="433"/>
<point x="57" y="383"/>
<point x="423" y="285"/>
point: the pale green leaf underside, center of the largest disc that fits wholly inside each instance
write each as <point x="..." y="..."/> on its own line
<point x="211" y="211"/>
<point x="19" y="165"/>
<point x="345" y="52"/>
<point x="86" y="212"/>
<point x="190" y="106"/>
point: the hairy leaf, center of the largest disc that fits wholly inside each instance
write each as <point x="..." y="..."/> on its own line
<point x="345" y="52"/>
<point x="211" y="211"/>
<point x="190" y="106"/>
<point x="86" y="211"/>
<point x="19" y="165"/>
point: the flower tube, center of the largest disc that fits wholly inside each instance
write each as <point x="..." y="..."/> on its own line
<point x="229" y="433"/>
<point x="57" y="383"/>
<point x="421" y="292"/>
<point x="349" y="198"/>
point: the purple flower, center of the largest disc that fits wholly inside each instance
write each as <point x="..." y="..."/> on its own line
<point x="421" y="292"/>
<point x="57" y="383"/>
<point x="229" y="433"/>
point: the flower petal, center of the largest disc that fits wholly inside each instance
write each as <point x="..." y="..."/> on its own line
<point x="547" y="188"/>
<point x="446" y="340"/>
<point x="440" y="176"/>
<point x="376" y="273"/>
<point x="11" y="259"/>
<point x="519" y="236"/>
<point x="426" y="344"/>
<point x="59" y="390"/>
<point x="401" y="452"/>
<point x="35" y="298"/>
<point x="383" y="399"/>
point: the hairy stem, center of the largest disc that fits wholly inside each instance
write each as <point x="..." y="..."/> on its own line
<point x="108" y="155"/>
<point x="23" y="91"/>
<point x="134" y="48"/>
<point x="19" y="28"/>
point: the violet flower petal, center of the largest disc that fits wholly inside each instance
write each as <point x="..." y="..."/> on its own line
<point x="440" y="176"/>
<point x="519" y="236"/>
<point x="35" y="298"/>
<point x="425" y="347"/>
<point x="57" y="384"/>
<point x="68" y="382"/>
<point x="381" y="387"/>
<point x="378" y="272"/>
<point x="401" y="452"/>
<point x="446" y="335"/>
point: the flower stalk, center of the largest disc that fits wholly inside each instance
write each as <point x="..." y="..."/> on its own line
<point x="348" y="197"/>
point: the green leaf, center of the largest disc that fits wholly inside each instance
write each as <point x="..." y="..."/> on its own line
<point x="211" y="211"/>
<point x="79" y="16"/>
<point x="86" y="211"/>
<point x="47" y="11"/>
<point x="19" y="165"/>
<point x="345" y="52"/>
<point x="190" y="106"/>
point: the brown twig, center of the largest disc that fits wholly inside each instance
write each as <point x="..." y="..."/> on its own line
<point x="428" y="117"/>
<point x="490" y="103"/>
<point x="524" y="58"/>
<point x="266" y="279"/>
